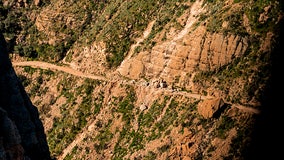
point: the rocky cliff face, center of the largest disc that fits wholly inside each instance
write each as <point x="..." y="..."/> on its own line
<point x="163" y="79"/>
<point x="22" y="134"/>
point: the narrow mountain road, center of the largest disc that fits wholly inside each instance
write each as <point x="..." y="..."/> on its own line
<point x="65" y="69"/>
<point x="245" y="109"/>
<point x="81" y="136"/>
<point x="45" y="65"/>
<point x="195" y="10"/>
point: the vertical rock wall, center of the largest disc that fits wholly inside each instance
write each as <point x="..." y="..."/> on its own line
<point x="21" y="131"/>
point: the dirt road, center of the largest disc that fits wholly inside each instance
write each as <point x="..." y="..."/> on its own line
<point x="45" y="65"/>
<point x="80" y="137"/>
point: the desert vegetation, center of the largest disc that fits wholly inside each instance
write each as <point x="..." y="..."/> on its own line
<point x="147" y="105"/>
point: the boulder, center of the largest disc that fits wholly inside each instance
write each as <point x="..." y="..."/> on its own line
<point x="210" y="107"/>
<point x="143" y="107"/>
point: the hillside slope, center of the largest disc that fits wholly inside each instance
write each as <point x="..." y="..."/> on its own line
<point x="179" y="79"/>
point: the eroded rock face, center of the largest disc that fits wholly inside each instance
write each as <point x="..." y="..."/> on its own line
<point x="22" y="134"/>
<point x="197" y="51"/>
